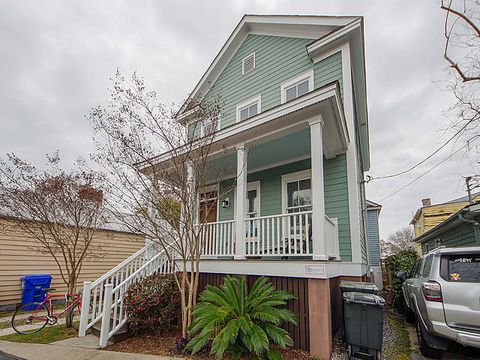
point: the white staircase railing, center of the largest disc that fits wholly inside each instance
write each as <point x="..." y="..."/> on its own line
<point x="107" y="292"/>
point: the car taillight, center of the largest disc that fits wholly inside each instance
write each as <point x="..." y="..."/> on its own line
<point x="432" y="291"/>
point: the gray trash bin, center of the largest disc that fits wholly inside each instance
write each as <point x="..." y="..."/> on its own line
<point x="363" y="319"/>
<point x="358" y="286"/>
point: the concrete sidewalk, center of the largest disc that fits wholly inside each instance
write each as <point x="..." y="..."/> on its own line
<point x="59" y="352"/>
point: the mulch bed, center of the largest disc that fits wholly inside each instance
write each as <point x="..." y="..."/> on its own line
<point x="165" y="345"/>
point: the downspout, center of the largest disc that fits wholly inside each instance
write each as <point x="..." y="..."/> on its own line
<point x="475" y="225"/>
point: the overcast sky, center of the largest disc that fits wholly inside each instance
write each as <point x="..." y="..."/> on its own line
<point x="56" y="58"/>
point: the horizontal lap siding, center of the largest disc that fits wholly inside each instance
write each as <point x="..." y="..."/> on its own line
<point x="299" y="306"/>
<point x="336" y="201"/>
<point x="277" y="60"/>
<point x="17" y="258"/>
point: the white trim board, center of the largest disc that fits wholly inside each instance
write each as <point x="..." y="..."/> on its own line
<point x="287" y="268"/>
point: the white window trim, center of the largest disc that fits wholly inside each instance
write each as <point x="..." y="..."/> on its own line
<point x="202" y="129"/>
<point x="296" y="176"/>
<point x="255" y="185"/>
<point x="254" y="63"/>
<point x="257" y="99"/>
<point x="308" y="75"/>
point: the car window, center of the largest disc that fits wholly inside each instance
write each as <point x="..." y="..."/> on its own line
<point x="427" y="266"/>
<point x="416" y="269"/>
<point x="461" y="268"/>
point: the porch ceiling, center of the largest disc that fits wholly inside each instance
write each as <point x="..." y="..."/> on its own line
<point x="287" y="148"/>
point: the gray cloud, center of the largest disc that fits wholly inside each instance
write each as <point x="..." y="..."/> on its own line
<point x="56" y="58"/>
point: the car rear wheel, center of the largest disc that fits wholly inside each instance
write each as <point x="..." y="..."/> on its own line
<point x="426" y="349"/>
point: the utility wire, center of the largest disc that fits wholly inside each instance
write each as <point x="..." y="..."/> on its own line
<point x="371" y="178"/>
<point x="424" y="173"/>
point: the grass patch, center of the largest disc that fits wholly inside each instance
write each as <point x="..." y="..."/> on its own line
<point x="46" y="336"/>
<point x="399" y="347"/>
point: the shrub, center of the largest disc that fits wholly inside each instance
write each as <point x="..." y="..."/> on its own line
<point x="403" y="261"/>
<point x="237" y="321"/>
<point x="152" y="304"/>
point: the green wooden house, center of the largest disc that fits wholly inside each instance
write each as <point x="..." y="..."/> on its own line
<point x="295" y="130"/>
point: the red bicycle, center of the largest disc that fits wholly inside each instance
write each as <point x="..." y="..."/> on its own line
<point x="32" y="317"/>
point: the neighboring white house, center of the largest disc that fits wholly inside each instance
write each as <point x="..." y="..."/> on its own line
<point x="296" y="129"/>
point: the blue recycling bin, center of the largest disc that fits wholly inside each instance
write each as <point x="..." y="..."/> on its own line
<point x="32" y="287"/>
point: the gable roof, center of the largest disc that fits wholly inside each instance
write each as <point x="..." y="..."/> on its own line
<point x="299" y="26"/>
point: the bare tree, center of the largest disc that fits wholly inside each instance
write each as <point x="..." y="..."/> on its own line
<point x="402" y="240"/>
<point x="60" y="210"/>
<point x="158" y="172"/>
<point x="462" y="53"/>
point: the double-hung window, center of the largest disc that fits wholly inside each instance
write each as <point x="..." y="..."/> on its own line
<point x="249" y="108"/>
<point x="298" y="86"/>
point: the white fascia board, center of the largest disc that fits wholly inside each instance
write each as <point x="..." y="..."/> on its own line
<point x="327" y="92"/>
<point x="333" y="36"/>
<point x="248" y="24"/>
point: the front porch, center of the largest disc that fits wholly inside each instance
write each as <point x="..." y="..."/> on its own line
<point x="282" y="192"/>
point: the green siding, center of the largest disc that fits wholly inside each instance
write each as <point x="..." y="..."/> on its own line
<point x="336" y="201"/>
<point x="461" y="235"/>
<point x="336" y="198"/>
<point x="278" y="59"/>
<point x="194" y="130"/>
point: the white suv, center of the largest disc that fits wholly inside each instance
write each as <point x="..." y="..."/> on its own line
<point x="443" y="293"/>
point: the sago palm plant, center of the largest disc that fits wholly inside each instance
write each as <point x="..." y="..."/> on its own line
<point x="238" y="321"/>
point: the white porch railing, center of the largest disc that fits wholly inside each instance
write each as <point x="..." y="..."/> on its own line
<point x="331" y="237"/>
<point x="279" y="235"/>
<point x="102" y="300"/>
<point x="217" y="238"/>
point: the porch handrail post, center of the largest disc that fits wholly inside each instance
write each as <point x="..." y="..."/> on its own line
<point x="319" y="244"/>
<point x="82" y="329"/>
<point x="240" y="199"/>
<point x="107" y="313"/>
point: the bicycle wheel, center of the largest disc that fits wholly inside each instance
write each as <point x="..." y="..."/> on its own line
<point x="30" y="318"/>
<point x="74" y="316"/>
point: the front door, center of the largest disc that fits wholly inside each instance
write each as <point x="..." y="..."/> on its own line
<point x="208" y="207"/>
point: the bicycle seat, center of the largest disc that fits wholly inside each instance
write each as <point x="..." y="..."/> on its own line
<point x="48" y="290"/>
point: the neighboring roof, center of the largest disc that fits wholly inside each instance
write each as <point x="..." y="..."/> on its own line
<point x="111" y="223"/>
<point x="373" y="205"/>
<point x="462" y="199"/>
<point x="469" y="212"/>
<point x="323" y="30"/>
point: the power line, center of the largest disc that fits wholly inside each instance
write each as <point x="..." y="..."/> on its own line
<point x="424" y="173"/>
<point x="371" y="178"/>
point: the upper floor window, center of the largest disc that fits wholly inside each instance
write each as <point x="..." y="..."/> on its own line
<point x="249" y="108"/>
<point x="298" y="86"/>
<point x="248" y="63"/>
<point x="198" y="129"/>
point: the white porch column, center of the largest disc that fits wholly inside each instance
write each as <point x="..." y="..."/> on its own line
<point x="240" y="199"/>
<point x="318" y="191"/>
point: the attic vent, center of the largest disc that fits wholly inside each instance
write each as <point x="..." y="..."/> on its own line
<point x="248" y="63"/>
